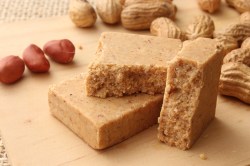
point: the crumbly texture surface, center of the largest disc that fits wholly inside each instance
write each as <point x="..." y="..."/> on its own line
<point x="128" y="63"/>
<point x="191" y="91"/>
<point x="102" y="123"/>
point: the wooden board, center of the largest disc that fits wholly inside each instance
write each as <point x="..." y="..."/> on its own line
<point x="33" y="137"/>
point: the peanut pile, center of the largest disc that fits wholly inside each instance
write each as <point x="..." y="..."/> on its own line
<point x="133" y="14"/>
<point x="12" y="67"/>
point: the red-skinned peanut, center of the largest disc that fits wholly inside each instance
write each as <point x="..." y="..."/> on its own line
<point x="61" y="51"/>
<point x="35" y="59"/>
<point x="11" y="69"/>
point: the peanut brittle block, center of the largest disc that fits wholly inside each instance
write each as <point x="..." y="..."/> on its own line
<point x="191" y="91"/>
<point x="128" y="63"/>
<point x="102" y="122"/>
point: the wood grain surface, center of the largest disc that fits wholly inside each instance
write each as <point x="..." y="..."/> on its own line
<point x="33" y="137"/>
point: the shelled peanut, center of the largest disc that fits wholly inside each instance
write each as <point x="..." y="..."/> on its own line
<point x="35" y="60"/>
<point x="12" y="67"/>
<point x="61" y="51"/>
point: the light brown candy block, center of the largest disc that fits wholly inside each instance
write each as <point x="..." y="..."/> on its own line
<point x="128" y="63"/>
<point x="102" y="123"/>
<point x="191" y="92"/>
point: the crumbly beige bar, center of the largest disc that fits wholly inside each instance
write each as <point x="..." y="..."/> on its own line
<point x="191" y="91"/>
<point x="130" y="63"/>
<point x="102" y="123"/>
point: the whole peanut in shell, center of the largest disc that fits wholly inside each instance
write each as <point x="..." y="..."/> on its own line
<point x="35" y="59"/>
<point x="11" y="69"/>
<point x="82" y="13"/>
<point x="61" y="51"/>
